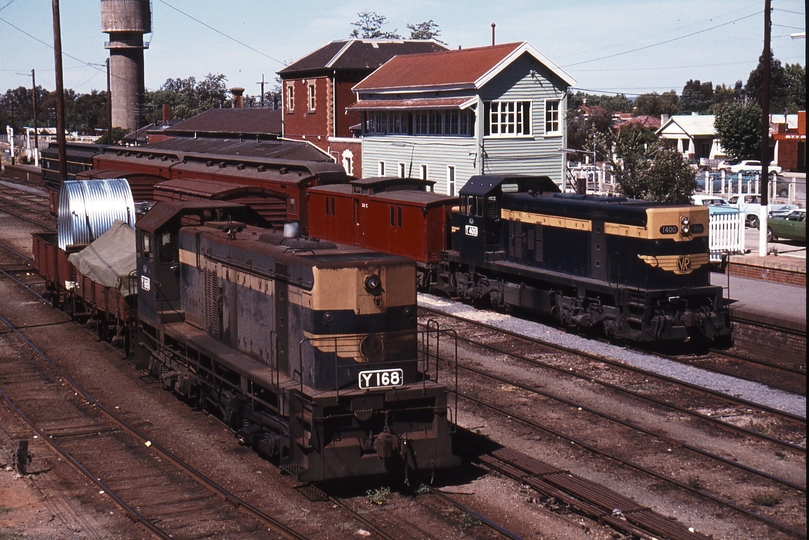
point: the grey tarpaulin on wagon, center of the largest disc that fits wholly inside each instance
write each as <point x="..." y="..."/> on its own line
<point x="110" y="259"/>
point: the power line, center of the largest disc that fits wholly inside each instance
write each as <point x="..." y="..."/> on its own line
<point x="206" y="25"/>
<point x="663" y="42"/>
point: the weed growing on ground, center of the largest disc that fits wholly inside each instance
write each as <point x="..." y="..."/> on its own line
<point x="378" y="496"/>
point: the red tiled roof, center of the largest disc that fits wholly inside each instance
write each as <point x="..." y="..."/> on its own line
<point x="423" y="103"/>
<point x="462" y="69"/>
<point x="459" y="68"/>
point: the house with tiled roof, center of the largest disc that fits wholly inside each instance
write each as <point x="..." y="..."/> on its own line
<point x="694" y="135"/>
<point x="447" y="116"/>
<point x="317" y="89"/>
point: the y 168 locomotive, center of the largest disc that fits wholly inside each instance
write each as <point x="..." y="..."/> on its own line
<point x="308" y="349"/>
<point x="636" y="270"/>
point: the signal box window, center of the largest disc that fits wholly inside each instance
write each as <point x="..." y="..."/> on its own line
<point x="290" y="98"/>
<point x="552" y="117"/>
<point x="312" y="96"/>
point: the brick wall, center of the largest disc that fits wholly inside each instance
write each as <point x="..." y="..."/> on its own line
<point x="786" y="347"/>
<point x="776" y="275"/>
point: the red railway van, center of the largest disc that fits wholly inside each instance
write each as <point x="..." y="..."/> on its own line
<point x="394" y="215"/>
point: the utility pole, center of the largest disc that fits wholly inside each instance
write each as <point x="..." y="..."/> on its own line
<point x="765" y="136"/>
<point x="60" y="92"/>
<point x="36" y="124"/>
<point x="262" y="89"/>
<point x="109" y="105"/>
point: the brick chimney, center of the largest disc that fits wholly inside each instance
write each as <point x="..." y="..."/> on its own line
<point x="238" y="99"/>
<point x="166" y="113"/>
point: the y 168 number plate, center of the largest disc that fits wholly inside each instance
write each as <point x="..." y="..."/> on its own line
<point x="381" y="378"/>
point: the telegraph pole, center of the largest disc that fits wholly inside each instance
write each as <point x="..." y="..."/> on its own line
<point x="36" y="124"/>
<point x="765" y="135"/>
<point x="109" y="105"/>
<point x="262" y="89"/>
<point x="60" y="92"/>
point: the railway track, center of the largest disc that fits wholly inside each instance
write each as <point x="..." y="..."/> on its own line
<point x="149" y="483"/>
<point x="27" y="204"/>
<point x="540" y="389"/>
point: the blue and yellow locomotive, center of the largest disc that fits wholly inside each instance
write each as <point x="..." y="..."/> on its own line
<point x="636" y="270"/>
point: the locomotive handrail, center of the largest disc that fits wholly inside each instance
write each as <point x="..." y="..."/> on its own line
<point x="438" y="331"/>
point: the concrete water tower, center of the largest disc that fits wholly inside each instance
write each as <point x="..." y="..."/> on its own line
<point x="126" y="21"/>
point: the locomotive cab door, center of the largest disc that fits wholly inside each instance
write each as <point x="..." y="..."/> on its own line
<point x="159" y="268"/>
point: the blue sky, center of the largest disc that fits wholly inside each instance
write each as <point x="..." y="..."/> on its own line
<point x="628" y="46"/>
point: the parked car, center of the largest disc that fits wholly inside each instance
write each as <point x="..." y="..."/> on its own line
<point x="750" y="205"/>
<point x="751" y="166"/>
<point x="715" y="204"/>
<point x="731" y="183"/>
<point x="789" y="227"/>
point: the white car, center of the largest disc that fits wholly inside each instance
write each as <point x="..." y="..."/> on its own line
<point x="750" y="204"/>
<point x="749" y="166"/>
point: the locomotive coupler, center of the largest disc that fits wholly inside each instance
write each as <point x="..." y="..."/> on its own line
<point x="386" y="443"/>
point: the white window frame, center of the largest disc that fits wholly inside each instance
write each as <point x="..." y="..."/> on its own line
<point x="451" y="180"/>
<point x="312" y="101"/>
<point x="380" y="167"/>
<point x="555" y="119"/>
<point x="509" y="118"/>
<point x="423" y="171"/>
<point x="290" y="97"/>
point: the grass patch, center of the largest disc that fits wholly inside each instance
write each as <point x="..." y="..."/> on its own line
<point x="765" y="499"/>
<point x="8" y="535"/>
<point x="378" y="496"/>
<point x="5" y="509"/>
<point x="470" y="520"/>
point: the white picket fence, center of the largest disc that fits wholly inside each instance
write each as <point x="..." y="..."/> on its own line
<point x="725" y="235"/>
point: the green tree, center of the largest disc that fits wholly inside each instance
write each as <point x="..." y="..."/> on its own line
<point x="795" y="75"/>
<point x="425" y="30"/>
<point x="89" y="112"/>
<point x="635" y="149"/>
<point x="778" y="83"/>
<point x="369" y="26"/>
<point x="655" y="104"/>
<point x="696" y="97"/>
<point x="670" y="179"/>
<point x="739" y="129"/>
<point x="117" y="136"/>
<point x="724" y="94"/>
<point x="590" y="127"/>
<point x="188" y="97"/>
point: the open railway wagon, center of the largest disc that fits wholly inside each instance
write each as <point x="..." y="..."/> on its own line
<point x="307" y="349"/>
<point x="89" y="263"/>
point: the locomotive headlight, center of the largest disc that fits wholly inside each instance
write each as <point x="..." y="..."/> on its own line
<point x="684" y="221"/>
<point x="373" y="284"/>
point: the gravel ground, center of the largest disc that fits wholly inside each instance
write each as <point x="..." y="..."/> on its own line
<point x="751" y="391"/>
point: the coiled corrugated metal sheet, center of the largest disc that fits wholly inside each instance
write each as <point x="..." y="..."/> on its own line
<point x="88" y="208"/>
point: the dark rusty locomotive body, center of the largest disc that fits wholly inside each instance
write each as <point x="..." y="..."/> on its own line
<point x="308" y="349"/>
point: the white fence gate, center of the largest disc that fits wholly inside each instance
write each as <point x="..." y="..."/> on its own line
<point x="725" y="235"/>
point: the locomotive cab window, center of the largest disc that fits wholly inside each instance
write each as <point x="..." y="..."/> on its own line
<point x="167" y="247"/>
<point x="144" y="245"/>
<point x="472" y="206"/>
<point x="491" y="207"/>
